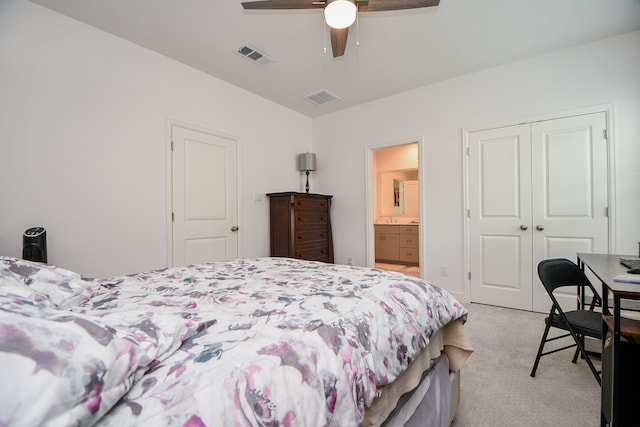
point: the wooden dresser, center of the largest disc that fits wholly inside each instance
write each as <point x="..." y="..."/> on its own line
<point x="301" y="226"/>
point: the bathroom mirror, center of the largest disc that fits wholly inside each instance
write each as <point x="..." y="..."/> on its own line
<point x="398" y="193"/>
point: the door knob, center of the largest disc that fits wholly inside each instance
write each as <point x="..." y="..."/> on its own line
<point x="234" y="228"/>
<point x="524" y="227"/>
<point x="539" y="227"/>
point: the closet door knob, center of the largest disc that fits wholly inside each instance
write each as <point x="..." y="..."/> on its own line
<point x="539" y="227"/>
<point x="234" y="228"/>
<point x="524" y="227"/>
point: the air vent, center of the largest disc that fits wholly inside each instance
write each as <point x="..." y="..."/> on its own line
<point x="254" y="55"/>
<point x="321" y="97"/>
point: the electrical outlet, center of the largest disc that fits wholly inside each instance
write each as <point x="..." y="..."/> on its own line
<point x="444" y="271"/>
<point x="350" y="261"/>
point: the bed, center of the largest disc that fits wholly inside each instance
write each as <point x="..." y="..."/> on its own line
<point x="250" y="342"/>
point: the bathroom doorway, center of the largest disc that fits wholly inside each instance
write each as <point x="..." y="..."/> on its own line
<point x="394" y="206"/>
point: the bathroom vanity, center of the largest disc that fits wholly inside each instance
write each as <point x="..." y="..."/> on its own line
<point x="397" y="243"/>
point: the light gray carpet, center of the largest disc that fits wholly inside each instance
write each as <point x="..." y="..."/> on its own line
<point x="496" y="388"/>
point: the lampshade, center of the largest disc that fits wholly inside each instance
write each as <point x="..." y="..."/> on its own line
<point x="307" y="162"/>
<point x="340" y="13"/>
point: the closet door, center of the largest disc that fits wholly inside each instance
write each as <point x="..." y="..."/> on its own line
<point x="536" y="191"/>
<point x="500" y="216"/>
<point x="569" y="190"/>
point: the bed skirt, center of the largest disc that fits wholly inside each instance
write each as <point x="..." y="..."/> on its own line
<point x="429" y="389"/>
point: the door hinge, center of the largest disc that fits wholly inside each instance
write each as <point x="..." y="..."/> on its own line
<point x="606" y="134"/>
<point x="467" y="151"/>
<point x="469" y="275"/>
<point x="468" y="213"/>
<point x="172" y="145"/>
<point x="173" y="217"/>
<point x="606" y="211"/>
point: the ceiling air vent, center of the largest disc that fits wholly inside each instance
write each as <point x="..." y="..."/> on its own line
<point x="321" y="97"/>
<point x="254" y="55"/>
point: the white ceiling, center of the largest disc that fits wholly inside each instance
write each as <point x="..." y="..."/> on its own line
<point x="398" y="50"/>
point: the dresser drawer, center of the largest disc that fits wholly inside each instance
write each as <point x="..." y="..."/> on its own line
<point x="313" y="254"/>
<point x="310" y="203"/>
<point x="306" y="236"/>
<point x="311" y="218"/>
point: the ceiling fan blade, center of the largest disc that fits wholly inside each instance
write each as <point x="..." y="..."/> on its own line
<point x="283" y="4"/>
<point x="338" y="41"/>
<point x="382" y="5"/>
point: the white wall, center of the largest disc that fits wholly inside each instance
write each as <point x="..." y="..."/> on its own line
<point x="83" y="117"/>
<point x="605" y="71"/>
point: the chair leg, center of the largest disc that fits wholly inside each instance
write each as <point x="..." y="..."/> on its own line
<point x="580" y="342"/>
<point x="540" y="348"/>
<point x="594" y="371"/>
<point x="575" y="355"/>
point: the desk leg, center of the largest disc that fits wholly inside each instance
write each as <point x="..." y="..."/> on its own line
<point x="606" y="389"/>
<point x="605" y="310"/>
<point x="610" y="374"/>
<point x="615" y="350"/>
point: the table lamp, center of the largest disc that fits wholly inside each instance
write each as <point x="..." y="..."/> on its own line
<point x="307" y="162"/>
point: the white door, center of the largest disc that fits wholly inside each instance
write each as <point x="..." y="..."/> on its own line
<point x="500" y="216"/>
<point x="411" y="198"/>
<point x="205" y="197"/>
<point x="536" y="191"/>
<point x="569" y="184"/>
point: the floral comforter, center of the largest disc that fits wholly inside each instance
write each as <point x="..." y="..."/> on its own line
<point x="260" y="342"/>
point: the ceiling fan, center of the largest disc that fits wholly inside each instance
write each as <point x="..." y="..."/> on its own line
<point x="340" y="14"/>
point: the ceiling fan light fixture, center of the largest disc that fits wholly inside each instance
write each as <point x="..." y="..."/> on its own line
<point x="340" y="13"/>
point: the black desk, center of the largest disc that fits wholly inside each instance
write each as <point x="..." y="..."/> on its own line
<point x="614" y="410"/>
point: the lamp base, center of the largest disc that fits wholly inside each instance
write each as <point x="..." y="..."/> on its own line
<point x="307" y="186"/>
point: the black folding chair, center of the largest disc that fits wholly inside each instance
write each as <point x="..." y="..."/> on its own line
<point x="561" y="273"/>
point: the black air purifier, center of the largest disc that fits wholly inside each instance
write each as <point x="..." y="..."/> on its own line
<point x="34" y="244"/>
